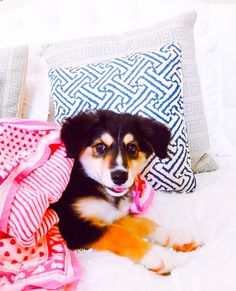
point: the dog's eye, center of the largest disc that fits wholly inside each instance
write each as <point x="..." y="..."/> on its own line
<point x="100" y="148"/>
<point x="132" y="149"/>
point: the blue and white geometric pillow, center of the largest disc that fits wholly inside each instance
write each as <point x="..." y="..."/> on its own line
<point x="149" y="84"/>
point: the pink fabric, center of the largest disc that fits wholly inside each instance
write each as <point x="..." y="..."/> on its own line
<point x="143" y="195"/>
<point x="48" y="264"/>
<point x="34" y="171"/>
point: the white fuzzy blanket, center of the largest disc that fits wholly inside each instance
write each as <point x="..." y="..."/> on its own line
<point x="209" y="213"/>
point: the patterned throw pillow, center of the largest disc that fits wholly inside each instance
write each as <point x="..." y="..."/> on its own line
<point x="102" y="48"/>
<point x="13" y="64"/>
<point x="149" y="84"/>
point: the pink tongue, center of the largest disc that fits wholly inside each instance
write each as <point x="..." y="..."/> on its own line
<point x="119" y="189"/>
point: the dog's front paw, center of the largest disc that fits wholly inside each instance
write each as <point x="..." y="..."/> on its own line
<point x="158" y="259"/>
<point x="177" y="239"/>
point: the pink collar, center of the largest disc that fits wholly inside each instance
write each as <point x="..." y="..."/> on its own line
<point x="143" y="194"/>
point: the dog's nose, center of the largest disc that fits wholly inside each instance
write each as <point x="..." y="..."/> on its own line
<point x="119" y="177"/>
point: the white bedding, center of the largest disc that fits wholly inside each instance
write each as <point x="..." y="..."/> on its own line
<point x="209" y="213"/>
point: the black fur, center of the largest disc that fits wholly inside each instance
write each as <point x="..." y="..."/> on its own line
<point x="75" y="230"/>
<point x="77" y="133"/>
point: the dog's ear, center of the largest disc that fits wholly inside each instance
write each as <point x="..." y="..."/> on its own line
<point x="76" y="131"/>
<point x="157" y="136"/>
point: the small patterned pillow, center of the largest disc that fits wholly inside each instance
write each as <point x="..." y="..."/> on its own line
<point x="149" y="84"/>
<point x="13" y="64"/>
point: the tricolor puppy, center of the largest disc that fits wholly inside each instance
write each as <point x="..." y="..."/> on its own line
<point x="109" y="151"/>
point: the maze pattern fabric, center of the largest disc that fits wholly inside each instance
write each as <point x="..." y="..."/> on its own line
<point x="149" y="84"/>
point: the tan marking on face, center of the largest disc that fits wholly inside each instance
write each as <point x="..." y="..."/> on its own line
<point x="107" y="139"/>
<point x="106" y="163"/>
<point x="97" y="167"/>
<point x="135" y="165"/>
<point x="92" y="165"/>
<point x="128" y="138"/>
<point x="93" y="151"/>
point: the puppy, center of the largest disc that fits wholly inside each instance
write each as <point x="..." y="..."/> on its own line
<point x="109" y="151"/>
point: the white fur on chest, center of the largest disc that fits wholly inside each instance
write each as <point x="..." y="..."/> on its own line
<point x="99" y="209"/>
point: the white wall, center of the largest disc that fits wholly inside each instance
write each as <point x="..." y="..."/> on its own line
<point x="35" y="21"/>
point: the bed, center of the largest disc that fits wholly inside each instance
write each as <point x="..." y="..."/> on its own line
<point x="208" y="214"/>
<point x="79" y="34"/>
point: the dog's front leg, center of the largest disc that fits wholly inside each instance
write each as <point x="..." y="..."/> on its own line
<point x="176" y="239"/>
<point x="147" y="228"/>
<point x="125" y="239"/>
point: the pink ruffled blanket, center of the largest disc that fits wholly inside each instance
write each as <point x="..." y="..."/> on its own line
<point x="34" y="171"/>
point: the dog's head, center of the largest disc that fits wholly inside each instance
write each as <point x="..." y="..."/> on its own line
<point x="113" y="148"/>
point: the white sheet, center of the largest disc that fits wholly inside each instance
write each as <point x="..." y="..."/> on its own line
<point x="209" y="213"/>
